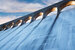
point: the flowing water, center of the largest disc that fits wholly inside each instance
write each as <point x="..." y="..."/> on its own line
<point x="37" y="35"/>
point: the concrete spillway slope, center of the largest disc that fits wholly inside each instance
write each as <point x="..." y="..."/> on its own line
<point x="37" y="36"/>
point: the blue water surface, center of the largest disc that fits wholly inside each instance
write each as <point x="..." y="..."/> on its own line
<point x="37" y="36"/>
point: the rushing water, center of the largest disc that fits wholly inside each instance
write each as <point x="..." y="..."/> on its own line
<point x="37" y="35"/>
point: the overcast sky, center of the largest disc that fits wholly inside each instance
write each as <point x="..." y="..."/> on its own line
<point x="10" y="9"/>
